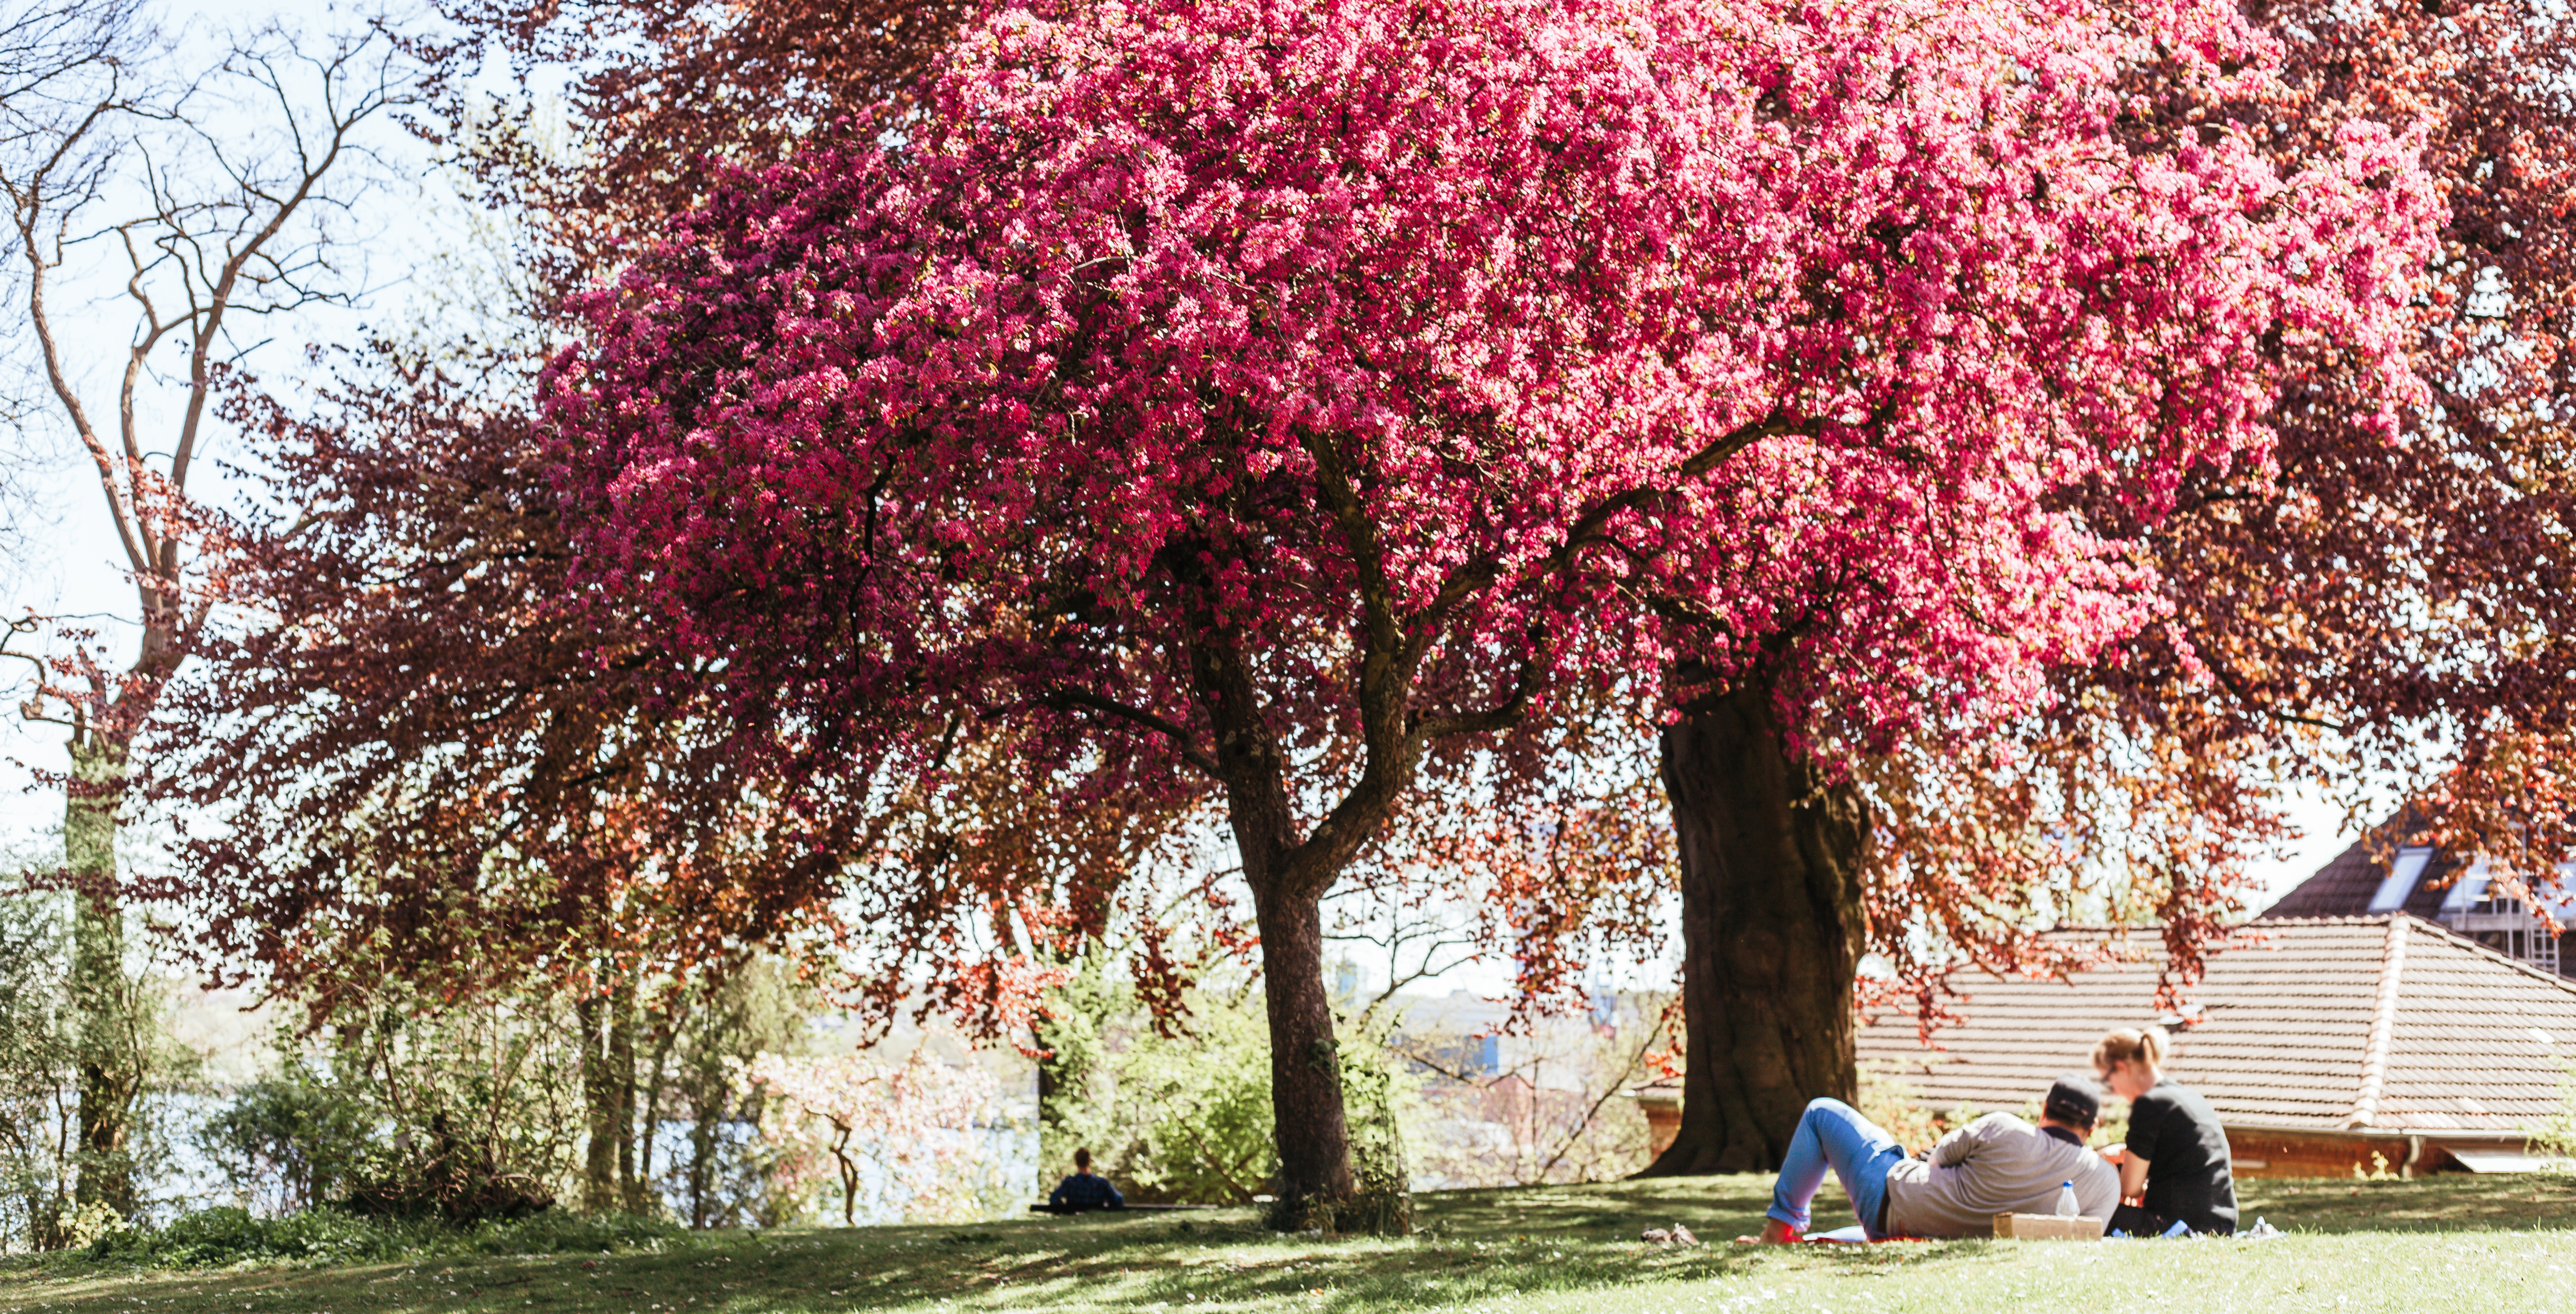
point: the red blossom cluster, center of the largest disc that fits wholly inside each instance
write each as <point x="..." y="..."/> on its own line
<point x="1369" y="419"/>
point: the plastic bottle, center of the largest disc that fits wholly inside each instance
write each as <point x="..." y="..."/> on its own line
<point x="2066" y="1205"/>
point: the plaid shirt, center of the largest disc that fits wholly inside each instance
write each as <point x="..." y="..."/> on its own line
<point x="1085" y="1191"/>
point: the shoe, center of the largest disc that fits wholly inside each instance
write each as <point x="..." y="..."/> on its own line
<point x="1774" y="1233"/>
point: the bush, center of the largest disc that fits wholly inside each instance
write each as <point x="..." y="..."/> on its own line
<point x="436" y="1173"/>
<point x="1384" y="1204"/>
<point x="291" y="1141"/>
<point x="1177" y="1118"/>
<point x="229" y="1235"/>
<point x="408" y="1107"/>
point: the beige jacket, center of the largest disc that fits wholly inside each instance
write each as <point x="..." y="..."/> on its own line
<point x="1995" y="1165"/>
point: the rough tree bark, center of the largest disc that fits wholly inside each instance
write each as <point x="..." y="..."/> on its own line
<point x="1772" y="932"/>
<point x="1310" y="1125"/>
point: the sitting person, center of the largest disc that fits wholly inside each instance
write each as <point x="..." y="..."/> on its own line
<point x="1995" y="1165"/>
<point x="1083" y="1190"/>
<point x="2175" y="1167"/>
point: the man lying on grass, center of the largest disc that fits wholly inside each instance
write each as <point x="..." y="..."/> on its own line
<point x="1995" y="1165"/>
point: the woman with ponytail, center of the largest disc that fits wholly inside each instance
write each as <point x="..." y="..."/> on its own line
<point x="2175" y="1167"/>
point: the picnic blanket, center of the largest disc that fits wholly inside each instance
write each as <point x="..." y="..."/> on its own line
<point x="1854" y="1235"/>
<point x="1851" y="1236"/>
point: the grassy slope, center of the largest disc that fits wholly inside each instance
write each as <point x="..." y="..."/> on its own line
<point x="2490" y="1243"/>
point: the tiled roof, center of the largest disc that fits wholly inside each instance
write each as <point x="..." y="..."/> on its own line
<point x="2340" y="1023"/>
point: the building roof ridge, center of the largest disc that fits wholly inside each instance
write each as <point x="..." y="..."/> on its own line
<point x="2250" y="926"/>
<point x="2383" y="1025"/>
<point x="2349" y="1026"/>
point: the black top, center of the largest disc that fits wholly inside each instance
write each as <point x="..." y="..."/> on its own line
<point x="2188" y="1174"/>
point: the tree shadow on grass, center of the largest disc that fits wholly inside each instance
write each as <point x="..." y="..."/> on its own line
<point x="1474" y="1246"/>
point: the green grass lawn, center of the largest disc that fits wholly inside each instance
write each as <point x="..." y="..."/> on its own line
<point x="2443" y="1243"/>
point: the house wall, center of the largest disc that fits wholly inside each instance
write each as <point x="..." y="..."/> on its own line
<point x="2267" y="1152"/>
<point x="1662" y="1106"/>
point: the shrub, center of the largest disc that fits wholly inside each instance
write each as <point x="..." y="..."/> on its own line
<point x="290" y="1141"/>
<point x="220" y="1237"/>
<point x="1183" y="1117"/>
<point x="405" y="1106"/>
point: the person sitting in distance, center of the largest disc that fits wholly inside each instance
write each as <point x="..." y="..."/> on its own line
<point x="1995" y="1165"/>
<point x="1083" y="1190"/>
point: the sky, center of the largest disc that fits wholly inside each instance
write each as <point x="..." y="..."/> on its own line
<point x="402" y="224"/>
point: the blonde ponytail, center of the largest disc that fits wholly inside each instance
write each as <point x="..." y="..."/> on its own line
<point x="2128" y="1046"/>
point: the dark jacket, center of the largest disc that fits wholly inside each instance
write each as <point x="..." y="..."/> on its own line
<point x="1085" y="1191"/>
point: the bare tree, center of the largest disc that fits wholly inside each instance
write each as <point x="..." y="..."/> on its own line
<point x="200" y="207"/>
<point x="63" y="63"/>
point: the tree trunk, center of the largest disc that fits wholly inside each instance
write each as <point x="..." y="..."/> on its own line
<point x="621" y="1066"/>
<point x="1289" y="876"/>
<point x="1308" y="1123"/>
<point x="666" y="1037"/>
<point x="109" y="1079"/>
<point x="1772" y="932"/>
<point x="599" y="1104"/>
<point x="706" y="1110"/>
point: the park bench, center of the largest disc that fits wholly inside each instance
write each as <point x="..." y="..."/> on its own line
<point x="1043" y="1207"/>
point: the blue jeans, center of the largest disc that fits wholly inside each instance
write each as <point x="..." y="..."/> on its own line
<point x="1833" y="1133"/>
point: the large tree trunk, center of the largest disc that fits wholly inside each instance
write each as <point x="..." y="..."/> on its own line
<point x="1305" y="1064"/>
<point x="109" y="1079"/>
<point x="1772" y="932"/>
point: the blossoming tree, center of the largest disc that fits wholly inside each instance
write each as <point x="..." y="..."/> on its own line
<point x="1293" y="402"/>
<point x="2365" y="608"/>
<point x="913" y="1124"/>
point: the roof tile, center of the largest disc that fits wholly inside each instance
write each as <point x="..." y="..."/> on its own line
<point x="2286" y="1019"/>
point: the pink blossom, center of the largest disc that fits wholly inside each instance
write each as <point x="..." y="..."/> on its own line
<point x="915" y="1124"/>
<point x="1273" y="398"/>
<point x="1510" y="261"/>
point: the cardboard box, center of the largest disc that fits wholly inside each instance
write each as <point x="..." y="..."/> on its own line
<point x="2047" y="1227"/>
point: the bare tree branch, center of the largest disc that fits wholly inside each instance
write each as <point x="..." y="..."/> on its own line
<point x="217" y="198"/>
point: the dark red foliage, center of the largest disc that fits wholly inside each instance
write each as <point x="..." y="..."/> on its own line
<point x="430" y="755"/>
<point x="661" y="89"/>
<point x="2420" y="597"/>
<point x="2400" y="611"/>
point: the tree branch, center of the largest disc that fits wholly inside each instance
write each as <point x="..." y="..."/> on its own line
<point x="1177" y="733"/>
